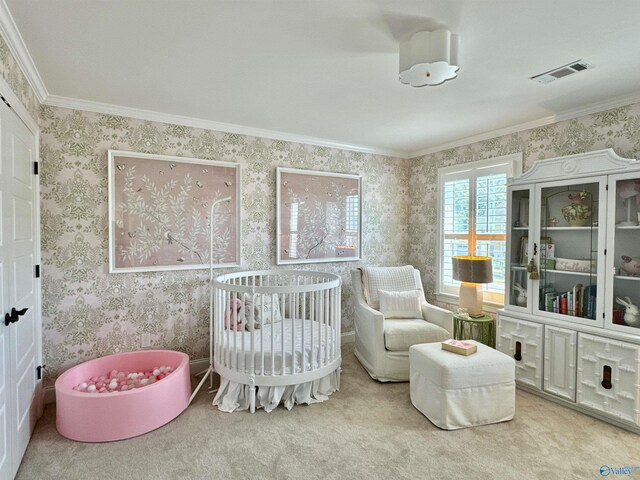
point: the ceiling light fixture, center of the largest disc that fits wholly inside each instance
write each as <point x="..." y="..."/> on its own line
<point x="429" y="58"/>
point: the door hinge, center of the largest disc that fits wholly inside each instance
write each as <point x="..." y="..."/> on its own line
<point x="39" y="369"/>
<point x="606" y="187"/>
<point x="37" y="271"/>
<point x="605" y="251"/>
<point x="602" y="314"/>
<point x="35" y="168"/>
<point x="5" y="101"/>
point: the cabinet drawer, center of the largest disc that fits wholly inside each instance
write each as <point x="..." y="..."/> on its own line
<point x="522" y="340"/>
<point x="560" y="347"/>
<point x="608" y="377"/>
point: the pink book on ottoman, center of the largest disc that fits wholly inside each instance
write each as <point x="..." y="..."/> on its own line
<point x="461" y="348"/>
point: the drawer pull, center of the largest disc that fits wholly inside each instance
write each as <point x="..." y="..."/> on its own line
<point x="606" y="377"/>
<point x="518" y="354"/>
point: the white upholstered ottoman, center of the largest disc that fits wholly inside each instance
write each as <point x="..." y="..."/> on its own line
<point x="457" y="391"/>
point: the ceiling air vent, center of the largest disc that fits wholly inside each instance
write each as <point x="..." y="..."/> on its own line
<point x="563" y="71"/>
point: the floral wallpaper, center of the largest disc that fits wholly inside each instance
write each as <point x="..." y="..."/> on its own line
<point x="12" y="74"/>
<point x="88" y="312"/>
<point x="618" y="128"/>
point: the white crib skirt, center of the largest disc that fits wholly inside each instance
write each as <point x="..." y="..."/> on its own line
<point x="233" y="396"/>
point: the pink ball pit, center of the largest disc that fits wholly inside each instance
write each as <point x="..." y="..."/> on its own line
<point x="92" y="417"/>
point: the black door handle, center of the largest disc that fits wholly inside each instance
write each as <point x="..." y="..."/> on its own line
<point x="18" y="313"/>
<point x="10" y="319"/>
<point x="15" y="316"/>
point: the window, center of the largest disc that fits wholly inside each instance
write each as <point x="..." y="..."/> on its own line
<point x="473" y="219"/>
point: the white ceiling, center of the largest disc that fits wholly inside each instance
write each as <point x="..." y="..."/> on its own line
<point x="329" y="68"/>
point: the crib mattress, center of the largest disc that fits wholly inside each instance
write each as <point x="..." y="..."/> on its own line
<point x="290" y="340"/>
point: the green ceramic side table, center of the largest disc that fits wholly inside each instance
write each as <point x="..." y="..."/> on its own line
<point x="481" y="329"/>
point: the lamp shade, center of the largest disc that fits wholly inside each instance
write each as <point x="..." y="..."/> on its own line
<point x="472" y="269"/>
<point x="429" y="58"/>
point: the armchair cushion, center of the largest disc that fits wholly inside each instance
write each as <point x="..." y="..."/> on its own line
<point x="386" y="278"/>
<point x="400" y="304"/>
<point x="400" y="334"/>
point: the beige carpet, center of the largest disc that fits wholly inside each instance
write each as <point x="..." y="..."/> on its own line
<point x="366" y="430"/>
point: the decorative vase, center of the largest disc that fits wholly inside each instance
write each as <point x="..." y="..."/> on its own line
<point x="578" y="212"/>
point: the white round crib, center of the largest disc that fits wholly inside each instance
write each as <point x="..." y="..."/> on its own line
<point x="275" y="338"/>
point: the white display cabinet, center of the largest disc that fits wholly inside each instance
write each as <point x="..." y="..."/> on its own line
<point x="573" y="283"/>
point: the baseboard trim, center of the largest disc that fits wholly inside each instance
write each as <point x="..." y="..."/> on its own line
<point x="49" y="394"/>
<point x="348" y="337"/>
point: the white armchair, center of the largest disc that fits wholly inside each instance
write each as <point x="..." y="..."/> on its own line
<point x="382" y="346"/>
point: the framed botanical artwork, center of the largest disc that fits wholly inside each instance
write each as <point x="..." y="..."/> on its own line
<point x="160" y="212"/>
<point x="319" y="216"/>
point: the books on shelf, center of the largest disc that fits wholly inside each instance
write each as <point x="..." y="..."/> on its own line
<point x="580" y="301"/>
<point x="459" y="347"/>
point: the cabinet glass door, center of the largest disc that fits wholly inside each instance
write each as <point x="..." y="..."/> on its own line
<point x="623" y="303"/>
<point x="520" y="220"/>
<point x="567" y="250"/>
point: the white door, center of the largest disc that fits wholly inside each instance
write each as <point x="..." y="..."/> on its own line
<point x="5" y="380"/>
<point x="18" y="344"/>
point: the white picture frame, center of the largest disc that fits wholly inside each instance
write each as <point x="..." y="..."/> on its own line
<point x="324" y="209"/>
<point x="148" y="232"/>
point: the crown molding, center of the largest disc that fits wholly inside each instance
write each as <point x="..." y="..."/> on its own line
<point x="16" y="105"/>
<point x="18" y="49"/>
<point x="98" y="107"/>
<point x="601" y="106"/>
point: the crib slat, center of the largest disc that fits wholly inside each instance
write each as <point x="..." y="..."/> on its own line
<point x="313" y="330"/>
<point x="261" y="340"/>
<point x="242" y="335"/>
<point x="292" y="321"/>
<point x="329" y="326"/>
<point x="235" y="336"/>
<point x="251" y="337"/>
<point x="304" y="326"/>
<point x="338" y="330"/>
<point x="323" y="331"/>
